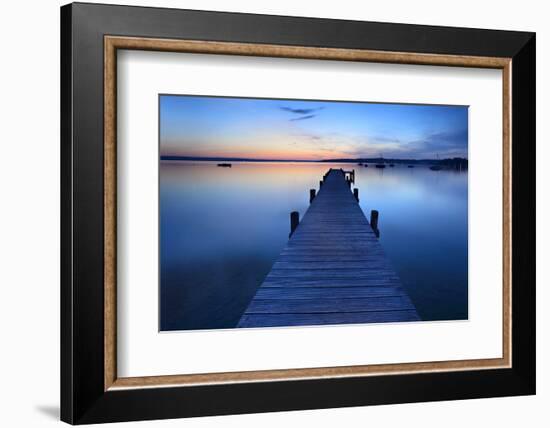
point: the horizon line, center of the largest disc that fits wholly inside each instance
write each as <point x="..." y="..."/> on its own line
<point x="246" y="159"/>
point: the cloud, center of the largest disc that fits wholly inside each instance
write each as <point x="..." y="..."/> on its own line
<point x="309" y="116"/>
<point x="304" y="113"/>
<point x="301" y="111"/>
<point x="387" y="140"/>
<point x="428" y="145"/>
<point x="445" y="144"/>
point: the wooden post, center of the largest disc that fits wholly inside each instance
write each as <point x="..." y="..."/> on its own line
<point x="353" y="175"/>
<point x="294" y="222"/>
<point x="374" y="219"/>
<point x="356" y="194"/>
<point x="320" y="183"/>
<point x="374" y="222"/>
<point x="311" y="195"/>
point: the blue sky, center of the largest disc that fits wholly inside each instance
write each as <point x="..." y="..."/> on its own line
<point x="309" y="130"/>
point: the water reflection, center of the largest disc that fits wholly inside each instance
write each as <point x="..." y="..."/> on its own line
<point x="222" y="228"/>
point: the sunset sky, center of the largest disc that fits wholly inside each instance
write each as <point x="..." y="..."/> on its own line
<point x="309" y="130"/>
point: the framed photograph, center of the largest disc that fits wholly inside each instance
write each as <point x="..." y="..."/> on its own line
<point x="265" y="213"/>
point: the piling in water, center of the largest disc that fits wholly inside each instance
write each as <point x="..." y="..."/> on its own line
<point x="311" y="195"/>
<point x="356" y="194"/>
<point x="294" y="222"/>
<point x="374" y="222"/>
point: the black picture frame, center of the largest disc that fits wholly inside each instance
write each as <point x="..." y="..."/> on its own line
<point x="83" y="398"/>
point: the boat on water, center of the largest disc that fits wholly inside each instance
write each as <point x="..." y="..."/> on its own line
<point x="366" y="165"/>
<point x="360" y="164"/>
<point x="382" y="163"/>
<point x="436" y="167"/>
<point x="391" y="165"/>
<point x="224" y="165"/>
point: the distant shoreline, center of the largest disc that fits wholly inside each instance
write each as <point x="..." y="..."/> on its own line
<point x="221" y="159"/>
<point x="447" y="161"/>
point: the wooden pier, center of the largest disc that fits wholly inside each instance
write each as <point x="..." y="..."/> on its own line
<point x="333" y="270"/>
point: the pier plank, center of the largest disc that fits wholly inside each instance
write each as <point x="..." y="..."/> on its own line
<point x="286" y="293"/>
<point x="333" y="270"/>
<point x="332" y="305"/>
<point x="284" y="320"/>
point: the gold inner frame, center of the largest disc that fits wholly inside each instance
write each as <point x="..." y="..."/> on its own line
<point x="113" y="43"/>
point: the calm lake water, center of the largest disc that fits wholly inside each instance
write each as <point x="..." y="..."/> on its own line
<point x="221" y="229"/>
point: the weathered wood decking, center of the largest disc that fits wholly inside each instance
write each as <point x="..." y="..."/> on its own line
<point x="333" y="270"/>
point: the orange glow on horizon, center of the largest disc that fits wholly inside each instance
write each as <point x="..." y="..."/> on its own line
<point x="266" y="153"/>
